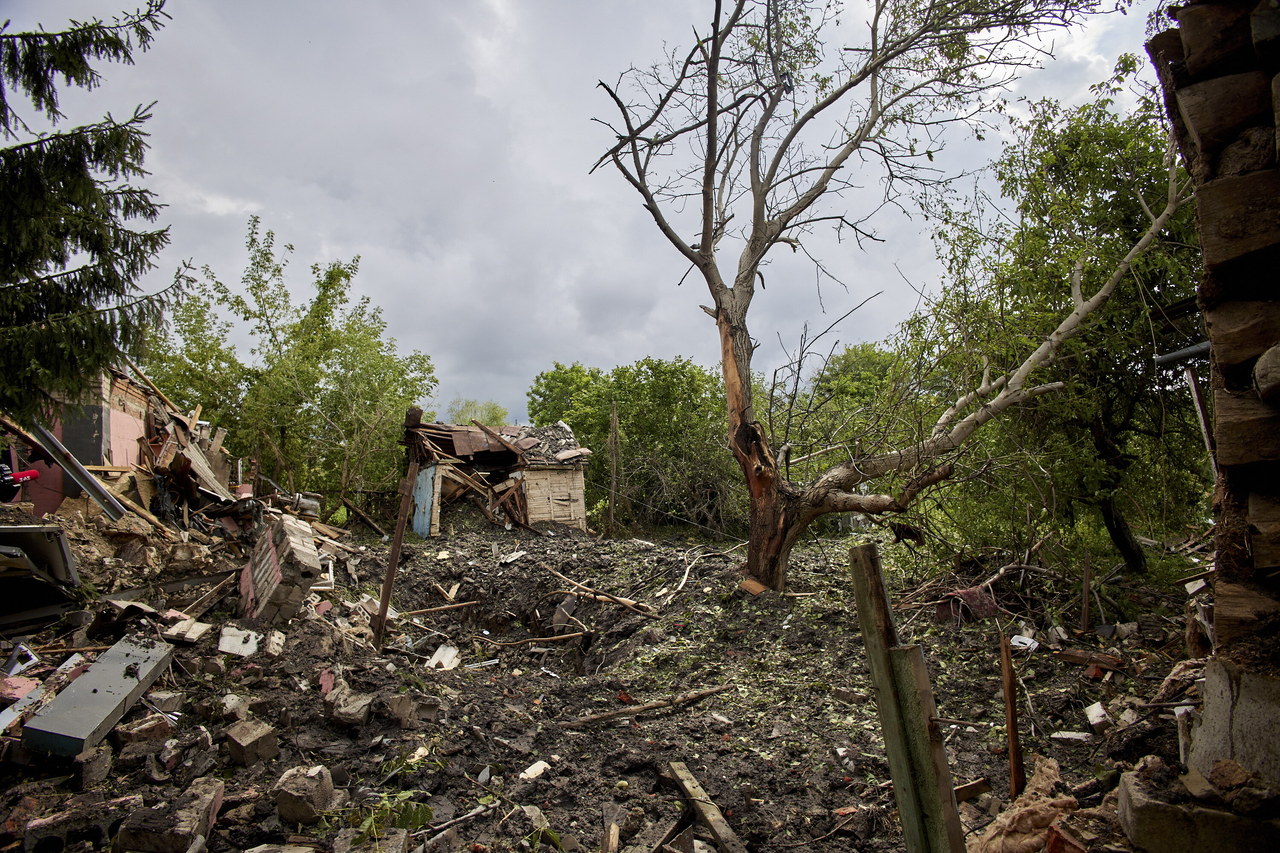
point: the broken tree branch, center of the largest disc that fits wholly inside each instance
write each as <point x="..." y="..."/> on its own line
<point x="686" y="699"/>
<point x="554" y="639"/>
<point x="598" y="594"/>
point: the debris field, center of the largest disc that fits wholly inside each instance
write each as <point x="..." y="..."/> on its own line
<point x="546" y="690"/>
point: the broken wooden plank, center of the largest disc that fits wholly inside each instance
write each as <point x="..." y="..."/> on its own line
<point x="82" y="714"/>
<point x="202" y="604"/>
<point x="709" y="814"/>
<point x="1017" y="770"/>
<point x="928" y="752"/>
<point x="969" y="790"/>
<point x="187" y="631"/>
<point x="363" y="517"/>
<point x="904" y="702"/>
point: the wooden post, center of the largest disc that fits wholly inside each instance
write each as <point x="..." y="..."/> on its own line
<point x="1017" y="773"/>
<point x="1086" y="591"/>
<point x="393" y="560"/>
<point x="613" y="464"/>
<point x="1202" y="414"/>
<point x="918" y="766"/>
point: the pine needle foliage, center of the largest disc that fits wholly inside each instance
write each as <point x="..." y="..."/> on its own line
<point x="74" y="239"/>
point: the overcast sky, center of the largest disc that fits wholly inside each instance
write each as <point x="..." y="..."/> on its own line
<point x="448" y="145"/>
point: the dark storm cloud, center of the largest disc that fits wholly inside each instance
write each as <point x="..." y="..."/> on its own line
<point x="448" y="145"/>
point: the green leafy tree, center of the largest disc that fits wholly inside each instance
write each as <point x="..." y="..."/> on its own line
<point x="74" y="245"/>
<point x="1121" y="438"/>
<point x="320" y="399"/>
<point x="555" y="392"/>
<point x="487" y="412"/>
<point x="672" y="467"/>
<point x="195" y="362"/>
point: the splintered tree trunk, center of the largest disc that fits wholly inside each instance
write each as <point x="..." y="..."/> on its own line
<point x="776" y="517"/>
<point x="769" y="551"/>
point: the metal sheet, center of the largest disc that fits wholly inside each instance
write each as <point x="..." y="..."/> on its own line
<point x="77" y="472"/>
<point x="424" y="496"/>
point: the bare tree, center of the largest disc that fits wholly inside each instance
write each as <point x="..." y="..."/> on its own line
<point x="732" y="146"/>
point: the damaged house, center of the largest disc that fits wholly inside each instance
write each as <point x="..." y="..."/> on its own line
<point x="130" y="449"/>
<point x="516" y="475"/>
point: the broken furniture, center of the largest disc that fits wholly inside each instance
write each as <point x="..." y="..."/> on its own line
<point x="37" y="574"/>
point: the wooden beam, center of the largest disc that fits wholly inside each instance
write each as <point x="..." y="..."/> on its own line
<point x="709" y="814"/>
<point x="1017" y="770"/>
<point x="393" y="559"/>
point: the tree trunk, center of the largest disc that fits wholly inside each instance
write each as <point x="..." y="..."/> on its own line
<point x="769" y="551"/>
<point x="777" y="517"/>
<point x="1122" y="535"/>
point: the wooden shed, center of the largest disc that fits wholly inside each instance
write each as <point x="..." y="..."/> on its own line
<point x="516" y="475"/>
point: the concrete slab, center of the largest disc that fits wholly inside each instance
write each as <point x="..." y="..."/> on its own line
<point x="1159" y="827"/>
<point x="1238" y="721"/>
<point x="81" y="715"/>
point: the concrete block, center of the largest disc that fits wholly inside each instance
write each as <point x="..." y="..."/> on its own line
<point x="1159" y="827"/>
<point x="303" y="794"/>
<point x="187" y="631"/>
<point x="1238" y="722"/>
<point x="251" y="741"/>
<point x="174" y="829"/>
<point x="168" y="701"/>
<point x="235" y="707"/>
<point x="348" y="707"/>
<point x="238" y="641"/>
<point x="80" y="716"/>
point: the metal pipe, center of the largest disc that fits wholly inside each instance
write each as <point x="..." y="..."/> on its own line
<point x="1195" y="351"/>
<point x="112" y="507"/>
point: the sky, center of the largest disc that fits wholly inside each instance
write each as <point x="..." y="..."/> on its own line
<point x="449" y="145"/>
